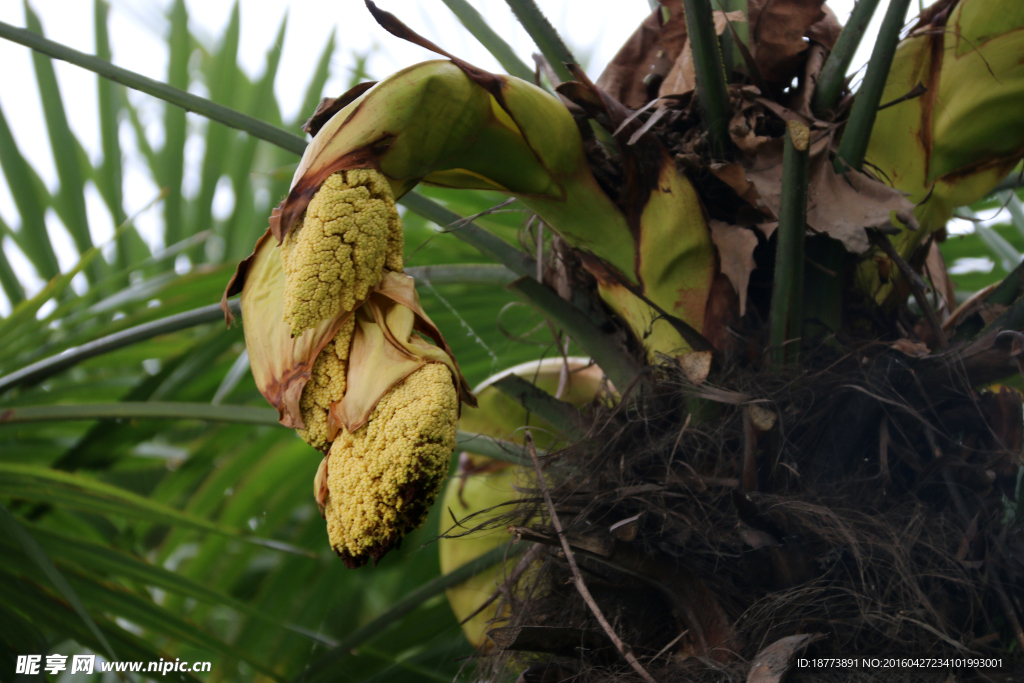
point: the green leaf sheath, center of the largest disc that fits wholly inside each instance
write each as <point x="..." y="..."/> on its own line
<point x="786" y="314"/>
<point x="833" y="72"/>
<point x="865" y="107"/>
<point x="707" y="64"/>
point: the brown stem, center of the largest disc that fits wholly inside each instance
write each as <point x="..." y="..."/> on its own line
<point x="577" y="577"/>
<point x="1011" y="614"/>
<point x="916" y="287"/>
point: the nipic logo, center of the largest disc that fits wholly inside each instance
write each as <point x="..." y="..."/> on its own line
<point x="86" y="664"/>
<point x="30" y="664"/>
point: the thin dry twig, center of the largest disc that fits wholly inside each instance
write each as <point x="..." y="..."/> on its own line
<point x="675" y="447"/>
<point x="577" y="576"/>
<point x="670" y="644"/>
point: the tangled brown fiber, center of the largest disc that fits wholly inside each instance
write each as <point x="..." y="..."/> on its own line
<point x="859" y="504"/>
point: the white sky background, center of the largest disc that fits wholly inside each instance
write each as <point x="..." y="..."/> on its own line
<point x="138" y="27"/>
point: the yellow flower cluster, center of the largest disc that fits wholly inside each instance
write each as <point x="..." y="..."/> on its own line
<point x="382" y="479"/>
<point x="379" y="479"/>
<point x="326" y="386"/>
<point x="350" y="233"/>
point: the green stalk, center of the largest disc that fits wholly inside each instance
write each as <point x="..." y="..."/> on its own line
<point x="616" y="363"/>
<point x="545" y="36"/>
<point x="622" y="369"/>
<point x="141" y="410"/>
<point x="865" y="107"/>
<point x="487" y="243"/>
<point x="51" y="366"/>
<point x="786" y="314"/>
<point x="712" y="92"/>
<point x="730" y="54"/>
<point x="166" y="410"/>
<point x="259" y="129"/>
<point x="326" y="668"/>
<point x="561" y="415"/>
<point x="187" y="101"/>
<point x="490" y="447"/>
<point x="476" y="273"/>
<point x="833" y="73"/>
<point x="489" y="38"/>
<point x="463" y="274"/>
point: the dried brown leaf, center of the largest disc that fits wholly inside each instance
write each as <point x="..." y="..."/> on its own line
<point x="827" y="30"/>
<point x="764" y="170"/>
<point x="841" y="206"/>
<point x="762" y="418"/>
<point x="969" y="307"/>
<point x="909" y="347"/>
<point x="741" y="130"/>
<point x="771" y="664"/>
<point x="385" y="351"/>
<point x="649" y="53"/>
<point x="778" y="28"/>
<point x="935" y="267"/>
<point x="735" y="177"/>
<point x="681" y="79"/>
<point x="736" y="252"/>
<point x="989" y="312"/>
<point x="768" y="228"/>
<point x="329" y="106"/>
<point x="801" y="100"/>
<point x="696" y="366"/>
<point x="784" y="113"/>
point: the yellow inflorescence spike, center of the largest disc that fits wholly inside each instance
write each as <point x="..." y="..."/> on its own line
<point x="382" y="478"/>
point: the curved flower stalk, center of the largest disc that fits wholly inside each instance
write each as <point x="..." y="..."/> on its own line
<point x="486" y="485"/>
<point x="952" y="143"/>
<point x="337" y="341"/>
<point x="451" y="124"/>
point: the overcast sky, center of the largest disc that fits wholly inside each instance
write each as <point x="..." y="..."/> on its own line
<point x="593" y="28"/>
